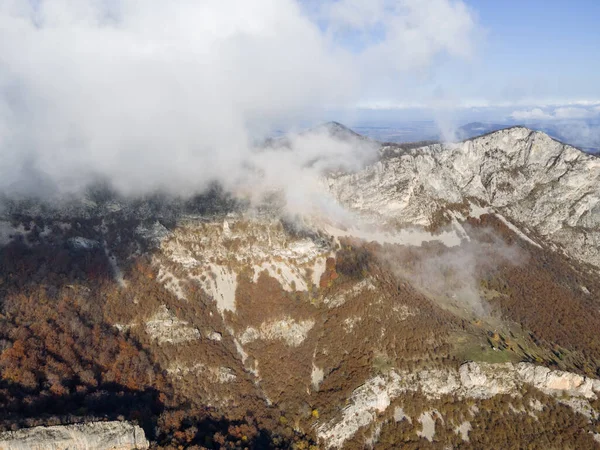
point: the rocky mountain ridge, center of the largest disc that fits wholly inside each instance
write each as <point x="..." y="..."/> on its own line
<point x="457" y="295"/>
<point x="543" y="185"/>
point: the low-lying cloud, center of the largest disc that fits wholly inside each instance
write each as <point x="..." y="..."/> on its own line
<point x="173" y="95"/>
<point x="452" y="275"/>
<point x="574" y="124"/>
<point x="557" y="113"/>
<point x="531" y="114"/>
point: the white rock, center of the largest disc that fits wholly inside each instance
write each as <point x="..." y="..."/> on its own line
<point x="292" y="332"/>
<point x="316" y="377"/>
<point x="166" y="327"/>
<point x="400" y="415"/>
<point x="93" y="435"/>
<point x="427" y="421"/>
<point x="532" y="179"/>
<point x="463" y="430"/>
<point x="472" y="380"/>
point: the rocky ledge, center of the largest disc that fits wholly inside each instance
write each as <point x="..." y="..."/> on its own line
<point x="97" y="435"/>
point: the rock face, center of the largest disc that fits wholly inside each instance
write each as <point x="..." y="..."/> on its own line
<point x="473" y="380"/>
<point x="93" y="435"/>
<point x="165" y="327"/>
<point x="548" y="186"/>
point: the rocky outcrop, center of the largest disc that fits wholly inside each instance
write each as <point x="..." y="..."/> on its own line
<point x="526" y="175"/>
<point x="166" y="327"/>
<point x="93" y="435"/>
<point x="472" y="380"/>
<point x="213" y="254"/>
<point x="293" y="333"/>
<point x="481" y="380"/>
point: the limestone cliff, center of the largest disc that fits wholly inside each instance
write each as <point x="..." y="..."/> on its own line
<point x="93" y="435"/>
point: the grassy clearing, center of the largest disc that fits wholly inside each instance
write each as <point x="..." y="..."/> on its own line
<point x="471" y="347"/>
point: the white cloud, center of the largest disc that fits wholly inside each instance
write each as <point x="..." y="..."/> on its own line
<point x="404" y="34"/>
<point x="558" y="113"/>
<point x="570" y="112"/>
<point x="580" y="133"/>
<point x="532" y="114"/>
<point x="172" y="94"/>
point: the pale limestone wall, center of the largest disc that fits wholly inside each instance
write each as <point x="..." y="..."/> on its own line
<point x="94" y="435"/>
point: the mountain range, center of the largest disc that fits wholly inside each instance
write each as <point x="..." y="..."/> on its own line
<point x="453" y="303"/>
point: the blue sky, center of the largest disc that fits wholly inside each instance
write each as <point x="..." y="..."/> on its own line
<point x="529" y="59"/>
<point x="544" y="50"/>
<point x="532" y="52"/>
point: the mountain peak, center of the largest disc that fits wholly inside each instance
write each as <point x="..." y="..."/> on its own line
<point x="547" y="143"/>
<point x="338" y="130"/>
